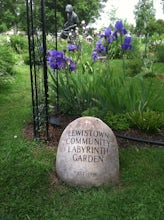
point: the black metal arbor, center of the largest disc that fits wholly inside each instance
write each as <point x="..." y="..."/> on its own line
<point x="36" y="27"/>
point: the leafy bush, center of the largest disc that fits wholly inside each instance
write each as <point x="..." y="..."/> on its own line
<point x="160" y="53"/>
<point x="154" y="41"/>
<point x="94" y="112"/>
<point x="6" y="60"/>
<point x="117" y="121"/>
<point x="134" y="67"/>
<point x="3" y="28"/>
<point x="148" y="121"/>
<point x="114" y="121"/>
<point x="19" y="43"/>
<point x="26" y="58"/>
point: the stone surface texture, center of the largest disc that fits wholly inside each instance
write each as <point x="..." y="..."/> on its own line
<point x="87" y="154"/>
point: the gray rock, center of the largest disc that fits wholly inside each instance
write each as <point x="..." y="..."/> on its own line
<point x="88" y="154"/>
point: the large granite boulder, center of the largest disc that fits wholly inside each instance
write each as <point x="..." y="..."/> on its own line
<point x="87" y="154"/>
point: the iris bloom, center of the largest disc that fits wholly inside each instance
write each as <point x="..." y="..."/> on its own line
<point x="72" y="47"/>
<point x="119" y="29"/>
<point x="127" y="43"/>
<point x="107" y="36"/>
<point x="57" y="60"/>
<point x="108" y="32"/>
<point x="99" y="47"/>
<point x="94" y="56"/>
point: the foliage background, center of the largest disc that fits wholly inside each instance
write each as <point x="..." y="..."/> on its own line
<point x="13" y="12"/>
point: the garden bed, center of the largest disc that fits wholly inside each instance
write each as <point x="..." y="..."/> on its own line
<point x="56" y="131"/>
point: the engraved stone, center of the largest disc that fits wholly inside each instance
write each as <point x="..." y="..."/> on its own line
<point x="87" y="154"/>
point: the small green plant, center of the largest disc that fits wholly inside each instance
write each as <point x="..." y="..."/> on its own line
<point x="160" y="53"/>
<point x="94" y="112"/>
<point x="147" y="121"/>
<point x="114" y="121"/>
<point x="117" y="121"/>
<point x="134" y="67"/>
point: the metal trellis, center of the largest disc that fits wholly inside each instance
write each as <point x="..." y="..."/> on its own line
<point x="36" y="29"/>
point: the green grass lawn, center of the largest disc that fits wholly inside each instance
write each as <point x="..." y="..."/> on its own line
<point x="28" y="190"/>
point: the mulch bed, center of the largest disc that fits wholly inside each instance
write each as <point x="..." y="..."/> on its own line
<point x="56" y="131"/>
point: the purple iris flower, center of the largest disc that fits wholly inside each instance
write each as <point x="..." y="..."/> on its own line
<point x="72" y="47"/>
<point x="94" y="56"/>
<point x="72" y="65"/>
<point x="108" y="32"/>
<point x="127" y="43"/>
<point x="107" y="36"/>
<point x="99" y="47"/>
<point x="57" y="60"/>
<point x="119" y="28"/>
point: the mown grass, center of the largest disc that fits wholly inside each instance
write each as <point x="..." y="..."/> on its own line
<point x="27" y="169"/>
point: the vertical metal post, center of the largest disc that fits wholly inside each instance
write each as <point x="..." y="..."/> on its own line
<point x="56" y="27"/>
<point x="38" y="68"/>
<point x="56" y="45"/>
<point x="29" y="9"/>
<point x="44" y="63"/>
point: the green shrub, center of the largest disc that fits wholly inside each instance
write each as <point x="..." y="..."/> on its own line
<point x="3" y="27"/>
<point x="26" y="59"/>
<point x="134" y="67"/>
<point x="94" y="112"/>
<point x="160" y="53"/>
<point x="117" y="121"/>
<point x="148" y="121"/>
<point x="114" y="121"/>
<point x="19" y="43"/>
<point x="7" y="60"/>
